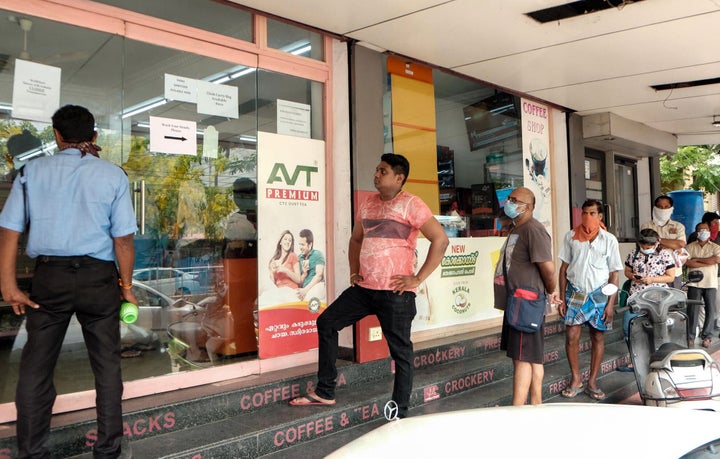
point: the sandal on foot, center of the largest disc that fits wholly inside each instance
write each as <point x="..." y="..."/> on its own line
<point x="130" y="353"/>
<point x="571" y="392"/>
<point x="706" y="342"/>
<point x="310" y="399"/>
<point x="595" y="394"/>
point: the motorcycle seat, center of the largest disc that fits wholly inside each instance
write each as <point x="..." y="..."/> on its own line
<point x="664" y="351"/>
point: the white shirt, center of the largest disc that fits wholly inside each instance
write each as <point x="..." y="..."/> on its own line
<point x="590" y="263"/>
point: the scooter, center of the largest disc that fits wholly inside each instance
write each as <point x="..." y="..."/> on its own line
<point x="667" y="373"/>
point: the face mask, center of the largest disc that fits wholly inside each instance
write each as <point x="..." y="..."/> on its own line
<point x="703" y="235"/>
<point x="649" y="251"/>
<point x="511" y="210"/>
<point x="661" y="216"/>
<point x="590" y="223"/>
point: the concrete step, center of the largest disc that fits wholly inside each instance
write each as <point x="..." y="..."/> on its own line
<point x="252" y="416"/>
<point x="280" y="427"/>
<point x="617" y="385"/>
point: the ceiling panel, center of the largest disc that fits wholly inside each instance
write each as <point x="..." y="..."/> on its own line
<point x="461" y="32"/>
<point x="648" y="49"/>
<point x="607" y="93"/>
<point x="340" y="16"/>
<point x="597" y="62"/>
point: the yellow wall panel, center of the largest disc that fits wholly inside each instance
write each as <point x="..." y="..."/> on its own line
<point x="419" y="147"/>
<point x="414" y="136"/>
<point x="413" y="102"/>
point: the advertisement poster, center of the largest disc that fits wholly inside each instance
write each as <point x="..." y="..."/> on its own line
<point x="536" y="158"/>
<point x="457" y="291"/>
<point x="291" y="243"/>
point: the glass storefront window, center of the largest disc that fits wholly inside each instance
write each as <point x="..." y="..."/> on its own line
<point x="196" y="209"/>
<point x="479" y="152"/>
<point x="204" y="14"/>
<point x="196" y="251"/>
<point x="294" y="40"/>
<point x="275" y="91"/>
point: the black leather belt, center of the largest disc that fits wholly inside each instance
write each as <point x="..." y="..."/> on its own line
<point x="75" y="260"/>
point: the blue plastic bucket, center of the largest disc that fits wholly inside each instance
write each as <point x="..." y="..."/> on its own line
<point x="687" y="208"/>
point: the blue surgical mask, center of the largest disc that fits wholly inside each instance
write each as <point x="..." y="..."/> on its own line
<point x="511" y="210"/>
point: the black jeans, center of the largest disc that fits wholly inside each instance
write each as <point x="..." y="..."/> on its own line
<point x="693" y="311"/>
<point x="395" y="313"/>
<point x="88" y="288"/>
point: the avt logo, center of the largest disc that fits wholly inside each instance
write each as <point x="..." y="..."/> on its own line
<point x="280" y="174"/>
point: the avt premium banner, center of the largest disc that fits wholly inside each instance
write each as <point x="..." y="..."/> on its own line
<point x="291" y="243"/>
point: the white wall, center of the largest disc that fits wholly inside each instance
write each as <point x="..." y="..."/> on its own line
<point x="561" y="186"/>
<point x="340" y="171"/>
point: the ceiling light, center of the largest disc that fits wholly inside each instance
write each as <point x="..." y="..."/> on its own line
<point x="716" y="122"/>
<point x="143" y="107"/>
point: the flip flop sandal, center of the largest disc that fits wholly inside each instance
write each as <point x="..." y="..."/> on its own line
<point x="310" y="399"/>
<point x="130" y="353"/>
<point x="595" y="394"/>
<point x="571" y="392"/>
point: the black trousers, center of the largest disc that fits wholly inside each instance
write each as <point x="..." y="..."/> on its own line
<point x="693" y="311"/>
<point x="64" y="286"/>
<point x="395" y="313"/>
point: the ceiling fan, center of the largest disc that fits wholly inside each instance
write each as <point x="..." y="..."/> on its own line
<point x="26" y="25"/>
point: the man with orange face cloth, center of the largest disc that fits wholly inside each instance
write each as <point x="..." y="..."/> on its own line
<point x="590" y="260"/>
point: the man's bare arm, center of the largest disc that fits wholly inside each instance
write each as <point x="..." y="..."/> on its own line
<point x="125" y="254"/>
<point x="8" y="264"/>
<point x="434" y="232"/>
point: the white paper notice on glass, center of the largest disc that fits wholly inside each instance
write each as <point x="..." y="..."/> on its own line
<point x="293" y="118"/>
<point x="217" y="99"/>
<point x="180" y="89"/>
<point x="36" y="91"/>
<point x="210" y="142"/>
<point x="177" y="137"/>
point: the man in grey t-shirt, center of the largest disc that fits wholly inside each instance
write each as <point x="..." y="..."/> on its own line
<point x="528" y="262"/>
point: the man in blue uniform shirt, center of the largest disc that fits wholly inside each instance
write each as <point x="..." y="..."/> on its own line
<point x="80" y="219"/>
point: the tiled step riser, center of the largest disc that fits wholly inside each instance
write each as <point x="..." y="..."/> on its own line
<point x="78" y="438"/>
<point x="553" y="387"/>
<point x="331" y="421"/>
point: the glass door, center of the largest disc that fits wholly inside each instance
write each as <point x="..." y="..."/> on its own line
<point x="625" y="212"/>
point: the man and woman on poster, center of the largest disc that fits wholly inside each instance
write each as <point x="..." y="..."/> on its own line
<point x="295" y="277"/>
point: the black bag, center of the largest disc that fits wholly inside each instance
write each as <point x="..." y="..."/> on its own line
<point x="525" y="310"/>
